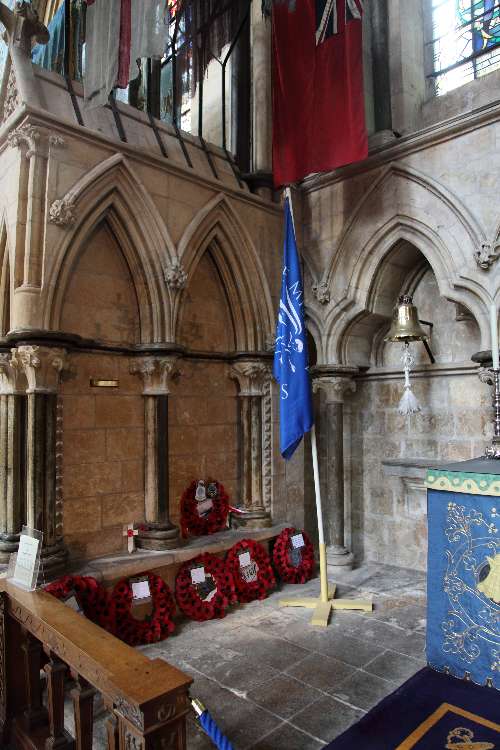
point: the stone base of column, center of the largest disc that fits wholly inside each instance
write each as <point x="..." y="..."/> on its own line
<point x="159" y="537"/>
<point x="255" y="519"/>
<point x="9" y="543"/>
<point x="53" y="563"/>
<point x="339" y="557"/>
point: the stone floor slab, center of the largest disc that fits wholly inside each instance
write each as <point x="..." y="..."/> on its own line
<point x="284" y="696"/>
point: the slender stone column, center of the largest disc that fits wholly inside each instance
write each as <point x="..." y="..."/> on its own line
<point x="331" y="448"/>
<point x="11" y="489"/>
<point x="156" y="373"/>
<point x="42" y="367"/>
<point x="260" y="45"/>
<point x="253" y="379"/>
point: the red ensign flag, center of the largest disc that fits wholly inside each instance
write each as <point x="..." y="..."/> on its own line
<point x="318" y="93"/>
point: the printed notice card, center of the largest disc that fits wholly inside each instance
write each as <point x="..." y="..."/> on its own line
<point x="26" y="568"/>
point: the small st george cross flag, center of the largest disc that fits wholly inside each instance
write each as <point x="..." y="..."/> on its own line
<point x="290" y="358"/>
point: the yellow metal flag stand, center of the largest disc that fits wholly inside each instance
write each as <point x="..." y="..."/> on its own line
<point x="324" y="605"/>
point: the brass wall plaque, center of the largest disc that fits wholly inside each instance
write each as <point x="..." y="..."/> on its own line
<point x="97" y="383"/>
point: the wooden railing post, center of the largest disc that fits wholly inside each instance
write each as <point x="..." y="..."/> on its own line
<point x="83" y="706"/>
<point x="58" y="739"/>
<point x="112" y="732"/>
<point x="35" y="714"/>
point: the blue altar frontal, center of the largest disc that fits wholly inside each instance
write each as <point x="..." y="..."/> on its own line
<point x="463" y="581"/>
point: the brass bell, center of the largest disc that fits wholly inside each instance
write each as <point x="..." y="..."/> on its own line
<point x="405" y="324"/>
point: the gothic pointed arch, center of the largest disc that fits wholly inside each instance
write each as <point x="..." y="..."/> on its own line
<point x="218" y="229"/>
<point x="112" y="193"/>
<point x="414" y="209"/>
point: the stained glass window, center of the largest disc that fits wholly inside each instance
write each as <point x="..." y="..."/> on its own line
<point x="465" y="41"/>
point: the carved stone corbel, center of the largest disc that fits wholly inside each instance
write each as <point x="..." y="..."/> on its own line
<point x="321" y="292"/>
<point x="335" y="388"/>
<point x="62" y="212"/>
<point x="252" y="377"/>
<point x="486" y="256"/>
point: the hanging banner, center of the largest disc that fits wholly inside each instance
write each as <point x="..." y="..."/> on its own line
<point x="318" y="91"/>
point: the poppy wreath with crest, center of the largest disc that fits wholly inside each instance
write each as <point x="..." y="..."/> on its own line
<point x="189" y="595"/>
<point x="256" y="580"/>
<point x="289" y="569"/>
<point x="92" y="597"/>
<point x="155" y="627"/>
<point x="215" y="520"/>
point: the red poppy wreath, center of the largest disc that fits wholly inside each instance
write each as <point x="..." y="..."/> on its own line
<point x="204" y="588"/>
<point x="157" y="626"/>
<point x="92" y="598"/>
<point x="250" y="566"/>
<point x="293" y="556"/>
<point x="204" y="508"/>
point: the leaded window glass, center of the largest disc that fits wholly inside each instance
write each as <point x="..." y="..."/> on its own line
<point x="465" y="41"/>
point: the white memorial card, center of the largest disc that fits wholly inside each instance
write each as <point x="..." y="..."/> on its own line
<point x="298" y="541"/>
<point x="26" y="562"/>
<point x="204" y="507"/>
<point x="140" y="589"/>
<point x="245" y="559"/>
<point x="198" y="575"/>
<point x="72" y="602"/>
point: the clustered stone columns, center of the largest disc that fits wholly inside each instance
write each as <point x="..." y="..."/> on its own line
<point x="332" y="388"/>
<point x="260" y="44"/>
<point x="42" y="367"/>
<point x="253" y="378"/>
<point x="11" y="488"/>
<point x="156" y="372"/>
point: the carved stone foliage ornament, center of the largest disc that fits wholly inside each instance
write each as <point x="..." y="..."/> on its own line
<point x="11" y="99"/>
<point x="9" y="374"/>
<point x="62" y="212"/>
<point x="321" y="292"/>
<point x="175" y="276"/>
<point x="156" y="372"/>
<point x="252" y="377"/>
<point x="41" y="365"/>
<point x="26" y="135"/>
<point x="335" y="388"/>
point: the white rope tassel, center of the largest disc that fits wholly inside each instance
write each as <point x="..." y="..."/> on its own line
<point x="408" y="404"/>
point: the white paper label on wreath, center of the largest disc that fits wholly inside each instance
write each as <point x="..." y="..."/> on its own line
<point x="72" y="603"/>
<point x="204" y="507"/>
<point x="245" y="559"/>
<point x="24" y="571"/>
<point x="140" y="590"/>
<point x="198" y="575"/>
<point x="298" y="541"/>
<point x="250" y="572"/>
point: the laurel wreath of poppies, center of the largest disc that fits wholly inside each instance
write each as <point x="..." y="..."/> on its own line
<point x="186" y="594"/>
<point x="266" y="581"/>
<point x="91" y="596"/>
<point x="157" y="626"/>
<point x="215" y="520"/>
<point x="288" y="572"/>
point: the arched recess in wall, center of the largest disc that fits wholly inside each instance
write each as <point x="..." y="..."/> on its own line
<point x="217" y="229"/>
<point x="112" y="193"/>
<point x="402" y="206"/>
<point x="5" y="282"/>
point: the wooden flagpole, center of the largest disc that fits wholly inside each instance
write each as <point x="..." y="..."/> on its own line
<point x="322" y="606"/>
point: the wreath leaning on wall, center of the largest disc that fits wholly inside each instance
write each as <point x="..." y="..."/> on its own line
<point x="93" y="598"/>
<point x="209" y="598"/>
<point x="293" y="564"/>
<point x="215" y="519"/>
<point x="250" y="566"/>
<point x="157" y="626"/>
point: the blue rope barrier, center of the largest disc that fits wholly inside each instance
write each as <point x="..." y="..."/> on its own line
<point x="210" y="727"/>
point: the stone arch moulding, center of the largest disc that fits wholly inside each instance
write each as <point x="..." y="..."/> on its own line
<point x="5" y="278"/>
<point x="218" y="227"/>
<point x="112" y="192"/>
<point x="404" y="204"/>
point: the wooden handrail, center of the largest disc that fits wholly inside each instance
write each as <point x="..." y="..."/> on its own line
<point x="149" y="698"/>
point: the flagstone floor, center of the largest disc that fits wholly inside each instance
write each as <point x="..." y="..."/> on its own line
<point x="273" y="682"/>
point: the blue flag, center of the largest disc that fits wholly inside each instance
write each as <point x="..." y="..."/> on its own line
<point x="290" y="358"/>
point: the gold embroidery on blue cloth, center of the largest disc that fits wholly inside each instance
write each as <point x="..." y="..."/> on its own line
<point x="461" y="739"/>
<point x="413" y="740"/>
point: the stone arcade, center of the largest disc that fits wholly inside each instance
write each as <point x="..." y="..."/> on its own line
<point x="140" y="270"/>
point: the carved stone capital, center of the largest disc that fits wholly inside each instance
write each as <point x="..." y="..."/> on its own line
<point x="156" y="373"/>
<point x="322" y="292"/>
<point x="252" y="377"/>
<point x="486" y="256"/>
<point x="23" y="26"/>
<point x="26" y="135"/>
<point x="62" y="212"/>
<point x="9" y="374"/>
<point x="175" y="276"/>
<point x="485" y="375"/>
<point x="42" y="367"/>
<point x="335" y="388"/>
